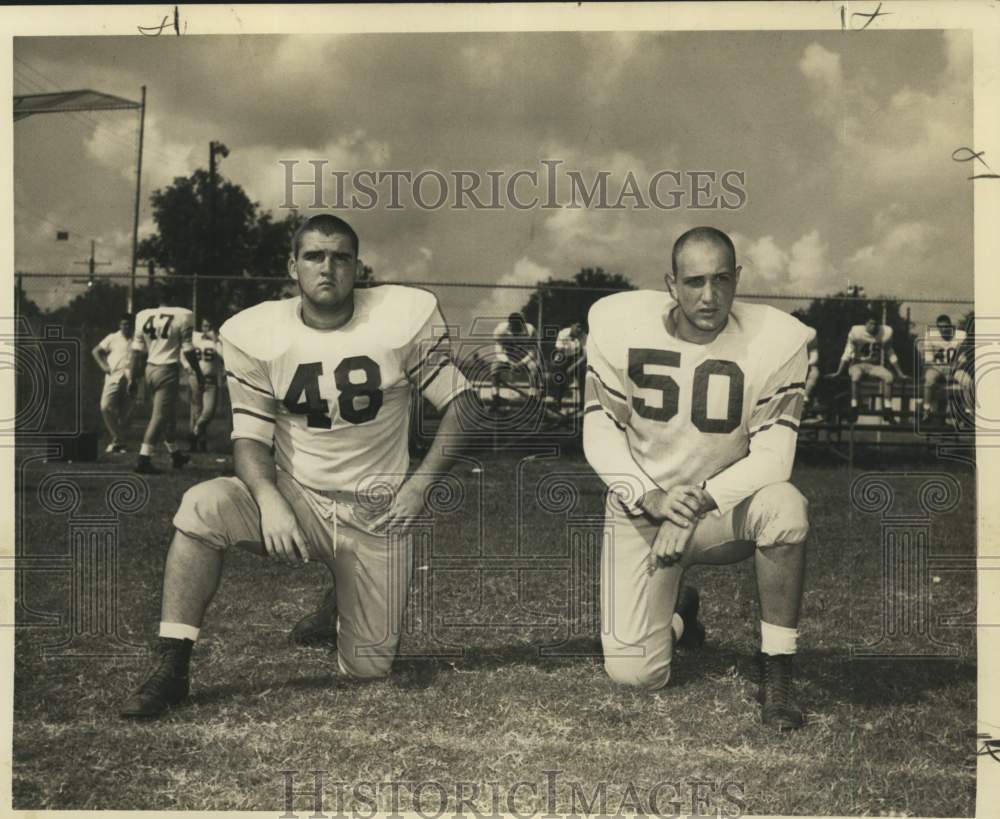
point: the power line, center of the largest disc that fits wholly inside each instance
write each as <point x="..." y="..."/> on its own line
<point x="549" y="287"/>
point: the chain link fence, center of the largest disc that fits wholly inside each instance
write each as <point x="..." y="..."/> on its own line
<point x="59" y="385"/>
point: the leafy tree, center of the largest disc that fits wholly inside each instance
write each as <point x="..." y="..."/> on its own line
<point x="237" y="239"/>
<point x="833" y="318"/>
<point x="561" y="308"/>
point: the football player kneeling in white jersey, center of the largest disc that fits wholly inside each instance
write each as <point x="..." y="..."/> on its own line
<point x="691" y="419"/>
<point x="321" y="387"/>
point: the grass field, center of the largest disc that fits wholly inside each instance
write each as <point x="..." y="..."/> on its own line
<point x="884" y="735"/>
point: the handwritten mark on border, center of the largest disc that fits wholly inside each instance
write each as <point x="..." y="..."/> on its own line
<point x="156" y="31"/>
<point x="968" y="155"/>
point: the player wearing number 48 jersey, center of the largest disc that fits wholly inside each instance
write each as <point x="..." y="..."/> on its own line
<point x="321" y="387"/>
<point x="691" y="418"/>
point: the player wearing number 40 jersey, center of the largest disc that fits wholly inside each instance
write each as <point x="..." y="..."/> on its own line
<point x="321" y="387"/>
<point x="162" y="335"/>
<point x="942" y="346"/>
<point x="692" y="412"/>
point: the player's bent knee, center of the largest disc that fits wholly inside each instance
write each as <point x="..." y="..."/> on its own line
<point x="637" y="672"/>
<point x="364" y="669"/>
<point x="781" y="516"/>
<point x="203" y="512"/>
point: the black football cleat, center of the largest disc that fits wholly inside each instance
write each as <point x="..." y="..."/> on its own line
<point x="167" y="684"/>
<point x="778" y="709"/>
<point x="688" y="603"/>
<point x="318" y="627"/>
<point x="889" y="417"/>
<point x="178" y="459"/>
<point x="144" y="466"/>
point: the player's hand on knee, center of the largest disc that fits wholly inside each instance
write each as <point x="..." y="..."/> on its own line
<point x="682" y="504"/>
<point x="670" y="542"/>
<point x="283" y="539"/>
<point x="406" y="507"/>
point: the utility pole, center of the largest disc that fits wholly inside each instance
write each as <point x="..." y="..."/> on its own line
<point x="214" y="148"/>
<point x="91" y="263"/>
<point x="135" y="214"/>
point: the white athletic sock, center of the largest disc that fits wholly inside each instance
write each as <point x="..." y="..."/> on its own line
<point x="677" y="626"/>
<point x="854" y="402"/>
<point x="146" y="449"/>
<point x="179" y="631"/>
<point x="170" y="446"/>
<point x="777" y="639"/>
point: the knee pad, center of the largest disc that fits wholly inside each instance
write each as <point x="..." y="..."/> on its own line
<point x="638" y="672"/>
<point x="779" y="516"/>
<point x="200" y="515"/>
<point x="364" y="668"/>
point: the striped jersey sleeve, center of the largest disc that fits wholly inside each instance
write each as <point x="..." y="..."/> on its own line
<point x="774" y="428"/>
<point x="252" y="397"/>
<point x="606" y="416"/>
<point x="604" y="388"/>
<point x="429" y="365"/>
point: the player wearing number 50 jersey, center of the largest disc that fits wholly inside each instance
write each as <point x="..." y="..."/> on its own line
<point x="691" y="418"/>
<point x="162" y="335"/>
<point x="321" y="387"/>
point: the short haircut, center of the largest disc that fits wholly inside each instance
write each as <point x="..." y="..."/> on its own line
<point x="944" y="317"/>
<point x="515" y="318"/>
<point x="328" y="225"/>
<point x="701" y="234"/>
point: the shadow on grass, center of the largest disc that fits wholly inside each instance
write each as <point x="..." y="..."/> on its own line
<point x="834" y="675"/>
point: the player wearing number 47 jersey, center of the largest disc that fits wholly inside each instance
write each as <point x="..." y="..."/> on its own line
<point x="692" y="413"/>
<point x="162" y="335"/>
<point x="321" y="387"/>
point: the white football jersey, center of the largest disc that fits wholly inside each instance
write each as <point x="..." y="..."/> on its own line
<point x="514" y="347"/>
<point x="567" y="344"/>
<point x="336" y="404"/>
<point x="116" y="345"/>
<point x="208" y="351"/>
<point x="689" y="412"/>
<point x="162" y="333"/>
<point x="941" y="353"/>
<point x="866" y="348"/>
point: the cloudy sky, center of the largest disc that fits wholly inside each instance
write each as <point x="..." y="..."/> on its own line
<point x="845" y="142"/>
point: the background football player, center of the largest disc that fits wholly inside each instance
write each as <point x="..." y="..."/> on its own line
<point x="516" y="355"/>
<point x="868" y="346"/>
<point x="812" y="374"/>
<point x="941" y="344"/>
<point x="162" y="335"/>
<point x="208" y="351"/>
<point x="568" y="364"/>
<point x="112" y="356"/>
<point x="692" y="413"/>
<point x="321" y="387"/>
